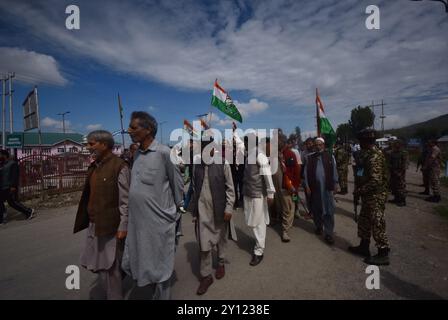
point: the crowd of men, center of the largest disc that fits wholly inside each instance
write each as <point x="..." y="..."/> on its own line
<point x="132" y="207"/>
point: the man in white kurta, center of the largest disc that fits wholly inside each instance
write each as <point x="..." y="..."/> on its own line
<point x="258" y="189"/>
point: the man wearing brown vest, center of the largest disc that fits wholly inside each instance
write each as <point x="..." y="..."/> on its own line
<point x="103" y="211"/>
<point x="212" y="208"/>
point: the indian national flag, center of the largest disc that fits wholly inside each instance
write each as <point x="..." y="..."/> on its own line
<point x="325" y="129"/>
<point x="223" y="102"/>
<point x="189" y="128"/>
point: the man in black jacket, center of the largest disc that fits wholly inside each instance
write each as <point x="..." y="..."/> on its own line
<point x="9" y="174"/>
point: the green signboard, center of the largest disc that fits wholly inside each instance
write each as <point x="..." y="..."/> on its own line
<point x="14" y="140"/>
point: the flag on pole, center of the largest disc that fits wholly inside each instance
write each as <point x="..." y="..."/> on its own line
<point x="324" y="127"/>
<point x="204" y="124"/>
<point x="222" y="101"/>
<point x="189" y="128"/>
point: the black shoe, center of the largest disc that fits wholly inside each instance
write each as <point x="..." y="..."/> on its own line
<point x="394" y="200"/>
<point x="329" y="239"/>
<point x="401" y="202"/>
<point x="381" y="259"/>
<point x="425" y="193"/>
<point x="362" y="249"/>
<point x="433" y="199"/>
<point x="256" y="260"/>
<point x="318" y="231"/>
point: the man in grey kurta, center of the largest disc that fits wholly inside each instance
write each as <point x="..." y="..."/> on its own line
<point x="321" y="182"/>
<point x="155" y="195"/>
<point x="213" y="201"/>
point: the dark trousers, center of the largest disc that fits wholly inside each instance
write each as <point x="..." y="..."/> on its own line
<point x="237" y="176"/>
<point x="11" y="198"/>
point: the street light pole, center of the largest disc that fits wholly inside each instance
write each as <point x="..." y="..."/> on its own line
<point x="63" y="127"/>
<point x="161" y="130"/>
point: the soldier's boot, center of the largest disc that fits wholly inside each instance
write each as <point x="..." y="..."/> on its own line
<point x="425" y="193"/>
<point x="344" y="191"/>
<point x="381" y="259"/>
<point x="401" y="202"/>
<point x="362" y="249"/>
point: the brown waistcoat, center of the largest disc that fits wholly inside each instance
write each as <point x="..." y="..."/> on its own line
<point x="103" y="209"/>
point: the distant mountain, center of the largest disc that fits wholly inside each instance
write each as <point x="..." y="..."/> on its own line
<point x="433" y="128"/>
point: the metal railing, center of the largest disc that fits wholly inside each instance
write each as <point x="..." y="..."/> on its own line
<point x="45" y="174"/>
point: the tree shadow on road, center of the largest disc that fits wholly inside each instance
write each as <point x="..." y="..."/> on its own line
<point x="308" y="226"/>
<point x="346" y="213"/>
<point x="13" y="215"/>
<point x="193" y="258"/>
<point x="133" y="292"/>
<point x="406" y="289"/>
<point x="245" y="242"/>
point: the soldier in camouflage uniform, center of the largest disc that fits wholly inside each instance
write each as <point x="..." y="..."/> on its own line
<point x="372" y="189"/>
<point x="342" y="156"/>
<point x="398" y="161"/>
<point x="433" y="163"/>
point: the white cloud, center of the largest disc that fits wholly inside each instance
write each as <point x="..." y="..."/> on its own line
<point x="30" y="66"/>
<point x="275" y="50"/>
<point x="92" y="127"/>
<point x="252" y="107"/>
<point x="51" y="123"/>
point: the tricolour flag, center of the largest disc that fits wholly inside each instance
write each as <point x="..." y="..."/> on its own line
<point x="189" y="128"/>
<point x="223" y="102"/>
<point x="324" y="127"/>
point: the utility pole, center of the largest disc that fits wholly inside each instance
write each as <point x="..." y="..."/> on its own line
<point x="382" y="117"/>
<point x="11" y="127"/>
<point x="4" y="112"/>
<point x="373" y="110"/>
<point x="11" y="118"/>
<point x="63" y="127"/>
<point x="161" y="130"/>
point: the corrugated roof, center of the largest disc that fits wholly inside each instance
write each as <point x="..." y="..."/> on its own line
<point x="48" y="138"/>
<point x="51" y="138"/>
<point x="443" y="139"/>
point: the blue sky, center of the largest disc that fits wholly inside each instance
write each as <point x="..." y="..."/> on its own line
<point x="163" y="57"/>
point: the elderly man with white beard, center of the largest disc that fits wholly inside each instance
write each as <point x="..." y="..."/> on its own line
<point x="321" y="183"/>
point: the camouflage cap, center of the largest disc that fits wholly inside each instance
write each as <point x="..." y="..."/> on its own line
<point x="367" y="134"/>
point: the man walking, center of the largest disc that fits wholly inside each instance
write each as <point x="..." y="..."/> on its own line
<point x="321" y="182"/>
<point x="372" y="188"/>
<point x="103" y="211"/>
<point x="434" y="163"/>
<point x="9" y="174"/>
<point x="155" y="196"/>
<point x="258" y="191"/>
<point x="212" y="203"/>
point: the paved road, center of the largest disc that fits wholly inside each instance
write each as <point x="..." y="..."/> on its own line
<point x="34" y="255"/>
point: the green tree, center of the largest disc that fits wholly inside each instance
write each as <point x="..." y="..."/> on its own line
<point x="361" y="118"/>
<point x="344" y="132"/>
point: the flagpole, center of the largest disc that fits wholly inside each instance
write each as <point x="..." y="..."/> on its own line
<point x="120" y="108"/>
<point x="40" y="144"/>
<point x="317" y="115"/>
